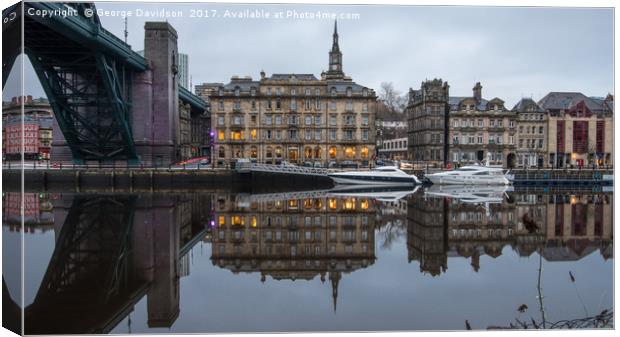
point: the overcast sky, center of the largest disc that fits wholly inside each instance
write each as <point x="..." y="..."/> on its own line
<point x="513" y="52"/>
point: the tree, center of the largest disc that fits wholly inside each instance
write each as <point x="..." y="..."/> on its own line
<point x="394" y="100"/>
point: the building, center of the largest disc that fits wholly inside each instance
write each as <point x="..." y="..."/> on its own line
<point x="393" y="149"/>
<point x="36" y="128"/>
<point x="427" y="117"/>
<point x="532" y="134"/>
<point x="580" y="129"/>
<point x="206" y="90"/>
<point x="481" y="129"/>
<point x="295" y="117"/>
<point x="294" y="238"/>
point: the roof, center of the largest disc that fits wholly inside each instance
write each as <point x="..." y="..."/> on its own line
<point x="526" y="105"/>
<point x="566" y="100"/>
<point x="302" y="77"/>
<point x="454" y="102"/>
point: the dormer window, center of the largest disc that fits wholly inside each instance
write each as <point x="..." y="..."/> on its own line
<point x="237" y="91"/>
<point x="253" y="91"/>
<point x="220" y="92"/>
<point x="349" y="92"/>
<point x="293" y="92"/>
<point x="333" y="91"/>
<point x="364" y="92"/>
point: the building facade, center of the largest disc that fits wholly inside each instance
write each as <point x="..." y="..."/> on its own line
<point x="580" y="130"/>
<point x="532" y="134"/>
<point x="295" y="117"/>
<point x="393" y="149"/>
<point x="427" y="118"/>
<point x="36" y="128"/>
<point x="481" y="129"/>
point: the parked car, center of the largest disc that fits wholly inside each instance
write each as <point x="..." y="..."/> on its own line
<point x="307" y="164"/>
<point x="286" y="163"/>
<point x="318" y="164"/>
<point x="379" y="162"/>
<point x="332" y="164"/>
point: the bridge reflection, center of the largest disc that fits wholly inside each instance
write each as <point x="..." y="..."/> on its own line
<point x="110" y="251"/>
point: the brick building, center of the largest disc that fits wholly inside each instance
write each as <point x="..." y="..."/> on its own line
<point x="36" y="128"/>
<point x="580" y="129"/>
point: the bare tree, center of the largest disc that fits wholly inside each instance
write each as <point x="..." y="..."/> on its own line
<point x="394" y="101"/>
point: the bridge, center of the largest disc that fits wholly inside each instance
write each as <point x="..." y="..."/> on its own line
<point x="110" y="103"/>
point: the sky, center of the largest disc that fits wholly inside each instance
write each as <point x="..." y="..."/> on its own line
<point x="514" y="52"/>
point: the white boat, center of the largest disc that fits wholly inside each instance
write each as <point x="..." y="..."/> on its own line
<point x="471" y="175"/>
<point x="384" y="175"/>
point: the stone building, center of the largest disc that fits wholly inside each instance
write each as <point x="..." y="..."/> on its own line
<point x="294" y="238"/>
<point x="532" y="134"/>
<point x="427" y="118"/>
<point x="481" y="129"/>
<point x="580" y="129"/>
<point x="33" y="133"/>
<point x="295" y="117"/>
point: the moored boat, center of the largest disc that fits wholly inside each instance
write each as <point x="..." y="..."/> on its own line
<point x="385" y="175"/>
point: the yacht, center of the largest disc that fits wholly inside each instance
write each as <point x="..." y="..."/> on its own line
<point x="384" y="175"/>
<point x="471" y="175"/>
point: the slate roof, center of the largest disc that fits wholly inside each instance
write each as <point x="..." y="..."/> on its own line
<point x="525" y="103"/>
<point x="301" y="77"/>
<point x="566" y="100"/>
<point x="454" y="102"/>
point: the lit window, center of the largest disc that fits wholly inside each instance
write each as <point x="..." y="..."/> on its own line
<point x="333" y="204"/>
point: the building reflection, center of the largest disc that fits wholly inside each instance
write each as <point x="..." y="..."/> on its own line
<point x="110" y="251"/>
<point x="294" y="238"/>
<point x="560" y="227"/>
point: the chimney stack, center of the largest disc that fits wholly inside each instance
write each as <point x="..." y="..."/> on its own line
<point x="478" y="91"/>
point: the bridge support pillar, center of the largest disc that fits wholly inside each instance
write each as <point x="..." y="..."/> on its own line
<point x="156" y="98"/>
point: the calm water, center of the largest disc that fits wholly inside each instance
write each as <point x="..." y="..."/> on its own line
<point x="321" y="261"/>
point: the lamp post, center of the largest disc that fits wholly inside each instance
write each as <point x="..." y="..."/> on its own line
<point x="212" y="148"/>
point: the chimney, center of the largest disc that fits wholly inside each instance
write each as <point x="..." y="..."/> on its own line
<point x="262" y="74"/>
<point x="14" y="100"/>
<point x="29" y="99"/>
<point x="478" y="91"/>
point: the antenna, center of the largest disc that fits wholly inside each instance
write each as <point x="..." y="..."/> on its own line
<point x="126" y="33"/>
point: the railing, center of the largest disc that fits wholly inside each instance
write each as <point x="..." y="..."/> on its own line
<point x="284" y="169"/>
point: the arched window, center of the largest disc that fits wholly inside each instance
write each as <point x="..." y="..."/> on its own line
<point x="269" y="153"/>
<point x="308" y="152"/>
<point x="253" y="152"/>
<point x="333" y="91"/>
<point x="364" y="152"/>
<point x="333" y="152"/>
<point x="222" y="152"/>
<point x="237" y="91"/>
<point x="278" y="152"/>
<point x="349" y="152"/>
<point x="318" y="153"/>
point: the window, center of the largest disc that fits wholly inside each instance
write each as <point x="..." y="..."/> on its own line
<point x="293" y="120"/>
<point x="220" y="120"/>
<point x="332" y="105"/>
<point x="253" y="105"/>
<point x="349" y="106"/>
<point x="332" y="134"/>
<point x="307" y="91"/>
<point x="293" y="92"/>
<point x="480" y="123"/>
<point x="268" y="120"/>
<point x="253" y="91"/>
<point x="293" y="104"/>
<point x="292" y="134"/>
<point x="278" y="92"/>
<point x="308" y="134"/>
<point x="580" y="136"/>
<point x="220" y="105"/>
<point x="237" y="91"/>
<point x="333" y="91"/>
<point x="364" y="120"/>
<point x="221" y="135"/>
<point x="278" y="120"/>
<point x="308" y="120"/>
<point x="365" y="107"/>
<point x="308" y="104"/>
<point x="317" y="134"/>
<point x="349" y="92"/>
<point x="332" y="119"/>
<point x="278" y="104"/>
<point x="317" y="120"/>
<point x="365" y="134"/>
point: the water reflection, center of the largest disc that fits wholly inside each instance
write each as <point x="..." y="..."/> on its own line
<point x="112" y="251"/>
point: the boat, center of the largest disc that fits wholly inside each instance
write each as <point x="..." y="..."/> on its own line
<point x="384" y="175"/>
<point x="471" y="175"/>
